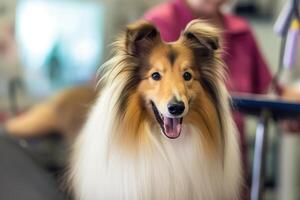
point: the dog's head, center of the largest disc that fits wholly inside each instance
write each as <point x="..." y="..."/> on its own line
<point x="176" y="81"/>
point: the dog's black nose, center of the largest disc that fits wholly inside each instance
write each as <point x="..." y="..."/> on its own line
<point x="176" y="107"/>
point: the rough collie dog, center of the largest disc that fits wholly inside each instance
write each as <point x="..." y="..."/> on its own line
<point x="161" y="128"/>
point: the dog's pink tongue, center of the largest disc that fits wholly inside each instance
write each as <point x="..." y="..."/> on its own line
<point x="172" y="127"/>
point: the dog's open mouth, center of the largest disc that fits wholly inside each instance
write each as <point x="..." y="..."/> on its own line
<point x="171" y="127"/>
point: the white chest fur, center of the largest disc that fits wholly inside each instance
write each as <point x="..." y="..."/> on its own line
<point x="165" y="169"/>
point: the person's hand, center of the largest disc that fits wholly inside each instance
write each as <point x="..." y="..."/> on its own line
<point x="291" y="94"/>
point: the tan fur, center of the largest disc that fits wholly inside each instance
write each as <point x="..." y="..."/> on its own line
<point x="65" y="113"/>
<point x="173" y="79"/>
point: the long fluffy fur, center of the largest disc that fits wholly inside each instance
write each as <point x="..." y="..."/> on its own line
<point x="121" y="153"/>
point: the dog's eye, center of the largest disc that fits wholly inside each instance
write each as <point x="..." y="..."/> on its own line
<point x="156" y="76"/>
<point x="187" y="76"/>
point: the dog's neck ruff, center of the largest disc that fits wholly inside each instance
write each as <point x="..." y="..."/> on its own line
<point x="162" y="169"/>
<point x="158" y="168"/>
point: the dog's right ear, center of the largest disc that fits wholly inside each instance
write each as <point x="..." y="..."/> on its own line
<point x="140" y="38"/>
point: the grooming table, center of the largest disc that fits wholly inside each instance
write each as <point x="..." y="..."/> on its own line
<point x="265" y="108"/>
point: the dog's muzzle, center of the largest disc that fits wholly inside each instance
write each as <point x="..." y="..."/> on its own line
<point x="170" y="126"/>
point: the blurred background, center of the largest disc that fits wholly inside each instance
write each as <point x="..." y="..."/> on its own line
<point x="51" y="46"/>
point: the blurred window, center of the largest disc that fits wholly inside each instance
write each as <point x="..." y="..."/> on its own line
<point x="60" y="42"/>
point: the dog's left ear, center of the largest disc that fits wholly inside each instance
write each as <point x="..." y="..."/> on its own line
<point x="141" y="37"/>
<point x="201" y="37"/>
